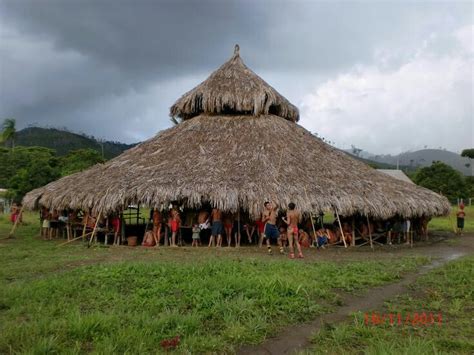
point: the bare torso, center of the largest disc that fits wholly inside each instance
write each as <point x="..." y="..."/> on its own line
<point x="216" y="215"/>
<point x="293" y="217"/>
<point x="270" y="216"/>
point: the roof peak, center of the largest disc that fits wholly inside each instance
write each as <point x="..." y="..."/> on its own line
<point x="234" y="89"/>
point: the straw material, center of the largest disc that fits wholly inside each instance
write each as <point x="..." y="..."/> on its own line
<point x="234" y="89"/>
<point x="239" y="161"/>
<point x="238" y="146"/>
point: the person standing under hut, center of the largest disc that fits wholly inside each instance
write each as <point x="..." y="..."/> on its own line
<point x="175" y="223"/>
<point x="270" y="230"/>
<point x="228" y="223"/>
<point x="460" y="216"/>
<point x="293" y="217"/>
<point x="217" y="227"/>
<point x="157" y="220"/>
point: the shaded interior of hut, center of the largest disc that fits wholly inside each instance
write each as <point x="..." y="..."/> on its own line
<point x="175" y="225"/>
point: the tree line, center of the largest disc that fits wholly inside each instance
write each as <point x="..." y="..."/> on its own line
<point x="23" y="169"/>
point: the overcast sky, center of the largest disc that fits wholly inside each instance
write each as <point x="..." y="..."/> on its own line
<point x="383" y="76"/>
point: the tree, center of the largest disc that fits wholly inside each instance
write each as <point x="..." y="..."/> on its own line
<point x="469" y="153"/>
<point x="442" y="178"/>
<point x="78" y="160"/>
<point x="28" y="168"/>
<point x="9" y="131"/>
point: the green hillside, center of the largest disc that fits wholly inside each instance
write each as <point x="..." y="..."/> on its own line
<point x="63" y="142"/>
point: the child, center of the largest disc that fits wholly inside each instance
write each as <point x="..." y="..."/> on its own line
<point x="321" y="238"/>
<point x="116" y="227"/>
<point x="303" y="239"/>
<point x="156" y="226"/>
<point x="46" y="226"/>
<point x="149" y="239"/>
<point x="283" y="237"/>
<point x="196" y="232"/>
<point x="249" y="229"/>
<point x="174" y="225"/>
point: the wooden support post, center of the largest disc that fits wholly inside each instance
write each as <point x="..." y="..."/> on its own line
<point x="312" y="222"/>
<point x="342" y="231"/>
<point x="68" y="233"/>
<point x="73" y="239"/>
<point x="238" y="229"/>
<point x="85" y="224"/>
<point x="370" y="233"/>
<point x="17" y="220"/>
<point x="353" y="242"/>
<point x="389" y="237"/>
<point x="95" y="227"/>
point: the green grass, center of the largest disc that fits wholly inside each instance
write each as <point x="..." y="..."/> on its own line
<point x="448" y="290"/>
<point x="114" y="300"/>
<point x="448" y="223"/>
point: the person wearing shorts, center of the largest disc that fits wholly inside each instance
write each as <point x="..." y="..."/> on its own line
<point x="217" y="227"/>
<point x="271" y="230"/>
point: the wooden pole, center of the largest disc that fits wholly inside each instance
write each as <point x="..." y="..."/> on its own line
<point x="85" y="224"/>
<point x="370" y="233"/>
<point x="95" y="226"/>
<point x="69" y="241"/>
<point x="238" y="228"/>
<point x="340" y="226"/>
<point x="353" y="242"/>
<point x="311" y="217"/>
<point x="10" y="235"/>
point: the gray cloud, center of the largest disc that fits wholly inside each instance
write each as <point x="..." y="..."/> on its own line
<point x="112" y="68"/>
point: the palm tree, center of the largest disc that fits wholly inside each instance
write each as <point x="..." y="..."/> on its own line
<point x="8" y="131"/>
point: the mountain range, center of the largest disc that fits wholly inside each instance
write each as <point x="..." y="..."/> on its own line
<point x="64" y="141"/>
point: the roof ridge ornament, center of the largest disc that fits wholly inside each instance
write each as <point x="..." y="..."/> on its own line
<point x="236" y="50"/>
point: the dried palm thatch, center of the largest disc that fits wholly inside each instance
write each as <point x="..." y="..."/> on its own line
<point x="235" y="89"/>
<point x="238" y="161"/>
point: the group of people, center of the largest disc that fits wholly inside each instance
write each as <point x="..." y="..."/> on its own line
<point x="285" y="228"/>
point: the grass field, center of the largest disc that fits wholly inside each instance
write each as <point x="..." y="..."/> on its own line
<point x="448" y="223"/>
<point x="447" y="291"/>
<point x="74" y="299"/>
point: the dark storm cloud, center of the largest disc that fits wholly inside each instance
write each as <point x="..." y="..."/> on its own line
<point x="119" y="64"/>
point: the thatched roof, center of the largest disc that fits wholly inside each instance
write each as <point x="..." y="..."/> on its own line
<point x="238" y="161"/>
<point x="234" y="88"/>
<point x="396" y="174"/>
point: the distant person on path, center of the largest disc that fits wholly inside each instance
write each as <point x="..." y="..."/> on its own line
<point x="217" y="227"/>
<point x="293" y="217"/>
<point x="460" y="215"/>
<point x="269" y="219"/>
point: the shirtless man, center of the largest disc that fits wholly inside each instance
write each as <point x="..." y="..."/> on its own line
<point x="217" y="227"/>
<point x="157" y="226"/>
<point x="293" y="217"/>
<point x="269" y="217"/>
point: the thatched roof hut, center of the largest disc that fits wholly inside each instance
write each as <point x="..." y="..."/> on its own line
<point x="238" y="145"/>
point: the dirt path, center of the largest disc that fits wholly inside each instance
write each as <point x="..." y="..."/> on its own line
<point x="296" y="338"/>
